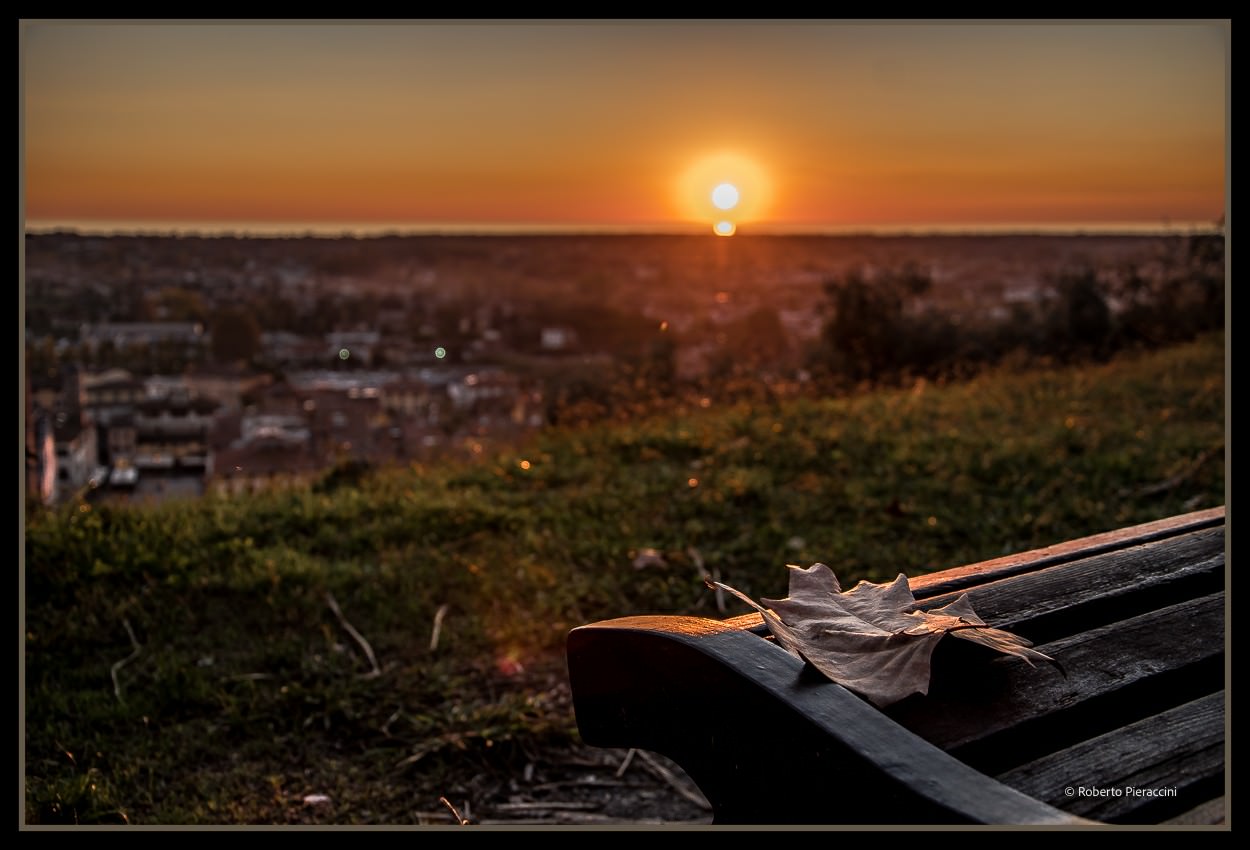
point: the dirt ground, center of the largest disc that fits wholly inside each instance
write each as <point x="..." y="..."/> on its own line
<point x="582" y="785"/>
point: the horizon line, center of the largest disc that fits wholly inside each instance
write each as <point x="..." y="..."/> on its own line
<point x="289" y="229"/>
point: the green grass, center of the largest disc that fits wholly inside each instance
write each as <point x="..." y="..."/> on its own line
<point x="248" y="692"/>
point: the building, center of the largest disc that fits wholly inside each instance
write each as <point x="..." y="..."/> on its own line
<point x="77" y="458"/>
<point x="265" y="463"/>
<point x="227" y="386"/>
<point x="557" y="339"/>
<point x="114" y="388"/>
<point x="185" y="338"/>
<point x="172" y="433"/>
<point x="111" y="398"/>
<point x="40" y="450"/>
<point x="409" y="399"/>
<point x="287" y="349"/>
<point x="490" y="388"/>
<point x="74" y="437"/>
<point x="343" y="426"/>
<point x="120" y="440"/>
<point x="353" y="345"/>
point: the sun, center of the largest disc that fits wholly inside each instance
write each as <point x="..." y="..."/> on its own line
<point x="725" y="196"/>
<point x="716" y="183"/>
<point x="724" y="228"/>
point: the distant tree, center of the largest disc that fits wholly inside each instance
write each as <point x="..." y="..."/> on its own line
<point x="758" y="339"/>
<point x="1079" y="319"/>
<point x="106" y="354"/>
<point x="1141" y="321"/>
<point x="320" y="316"/>
<point x="658" y="367"/>
<point x="276" y="313"/>
<point x="38" y="319"/>
<point x="236" y="335"/>
<point x="867" y="336"/>
<point x="1204" y="270"/>
<point x="175" y="304"/>
<point x="167" y="357"/>
<point x="41" y="357"/>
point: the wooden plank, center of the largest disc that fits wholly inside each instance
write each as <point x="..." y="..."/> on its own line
<point x="1063" y="600"/>
<point x="765" y="739"/>
<point x="1001" y="713"/>
<point x="934" y="585"/>
<point x="1179" y="752"/>
<point x="946" y="581"/>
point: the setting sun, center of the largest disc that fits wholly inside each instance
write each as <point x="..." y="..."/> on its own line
<point x="724" y="228"/>
<point x="724" y="181"/>
<point x="725" y="196"/>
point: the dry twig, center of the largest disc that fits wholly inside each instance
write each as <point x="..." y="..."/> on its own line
<point x="714" y="576"/>
<point x="117" y="687"/>
<point x="412" y="759"/>
<point x="249" y="677"/>
<point x="546" y="806"/>
<point x="587" y="782"/>
<point x="438" y="626"/>
<point x="629" y="757"/>
<point x="1181" y="477"/>
<point x="671" y="778"/>
<point x="357" y="636"/>
<point x="460" y="819"/>
<point x="572" y="818"/>
<point x="720" y="594"/>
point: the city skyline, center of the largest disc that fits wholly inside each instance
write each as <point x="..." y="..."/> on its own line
<point x="531" y="126"/>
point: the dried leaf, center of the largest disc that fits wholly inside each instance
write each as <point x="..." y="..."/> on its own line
<point x="871" y="639"/>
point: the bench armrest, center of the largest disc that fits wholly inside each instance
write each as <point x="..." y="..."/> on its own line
<point x="767" y="740"/>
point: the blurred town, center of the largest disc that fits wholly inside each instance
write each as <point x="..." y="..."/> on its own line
<point x="160" y="367"/>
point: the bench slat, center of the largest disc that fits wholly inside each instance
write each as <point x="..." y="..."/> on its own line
<point x="1185" y="752"/>
<point x="1064" y="600"/>
<point x="956" y="578"/>
<point x="989" y="713"/>
<point x="952" y="581"/>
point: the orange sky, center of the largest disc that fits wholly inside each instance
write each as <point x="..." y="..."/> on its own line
<point x="618" y="125"/>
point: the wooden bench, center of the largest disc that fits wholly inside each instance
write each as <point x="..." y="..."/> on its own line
<point x="1136" y="617"/>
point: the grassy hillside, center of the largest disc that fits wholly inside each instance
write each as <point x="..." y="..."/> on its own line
<point x="247" y="690"/>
